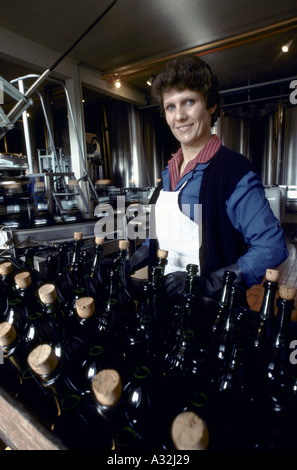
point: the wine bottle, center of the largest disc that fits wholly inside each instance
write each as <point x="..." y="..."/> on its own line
<point x="223" y="302"/>
<point x="9" y="375"/>
<point x="175" y="363"/>
<point x="176" y="312"/>
<point x="76" y="421"/>
<point x="162" y="259"/>
<point x="148" y="322"/>
<point x="191" y="279"/>
<point x="62" y="280"/>
<point x="95" y="273"/>
<point x="142" y="401"/>
<point x="274" y="395"/>
<point x="231" y="396"/>
<point x="108" y="390"/>
<point x="28" y="391"/>
<point x="224" y="337"/>
<point x="36" y="329"/>
<point x="7" y="285"/>
<point x="93" y="347"/>
<point x="15" y="311"/>
<point x="278" y="370"/>
<point x="61" y="339"/>
<point x="119" y="262"/>
<point x="78" y="238"/>
<point x="264" y="328"/>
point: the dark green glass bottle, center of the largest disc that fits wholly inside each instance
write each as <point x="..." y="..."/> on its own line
<point x="232" y="407"/>
<point x="224" y="337"/>
<point x="78" y="240"/>
<point x="265" y="324"/>
<point x="273" y="391"/>
<point x="76" y="421"/>
<point x="142" y="394"/>
<point x="65" y="344"/>
<point x="36" y="329"/>
<point x="62" y="280"/>
<point x="28" y="391"/>
<point x="224" y="300"/>
<point x="15" y="311"/>
<point x="108" y="390"/>
<point x="95" y="271"/>
<point x="7" y="285"/>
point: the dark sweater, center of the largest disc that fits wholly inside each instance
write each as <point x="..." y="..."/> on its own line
<point x="222" y="244"/>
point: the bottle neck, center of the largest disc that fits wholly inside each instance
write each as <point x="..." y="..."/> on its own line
<point x="63" y="260"/>
<point x="76" y="253"/>
<point x="226" y="289"/>
<point x="284" y="313"/>
<point x="96" y="266"/>
<point x="267" y="307"/>
<point x="230" y="308"/>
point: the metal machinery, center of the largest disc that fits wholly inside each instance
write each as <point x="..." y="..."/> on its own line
<point x="57" y="190"/>
<point x="60" y="189"/>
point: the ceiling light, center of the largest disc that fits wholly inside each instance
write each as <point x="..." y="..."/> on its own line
<point x="118" y="83"/>
<point x="150" y="81"/>
<point x="286" y="46"/>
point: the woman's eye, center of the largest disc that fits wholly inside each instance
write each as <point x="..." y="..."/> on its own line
<point x="189" y="102"/>
<point x="169" y="107"/>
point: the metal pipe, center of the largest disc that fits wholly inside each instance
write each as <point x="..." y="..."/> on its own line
<point x="135" y="69"/>
<point x="279" y="159"/>
<point x="26" y="131"/>
<point x="17" y="110"/>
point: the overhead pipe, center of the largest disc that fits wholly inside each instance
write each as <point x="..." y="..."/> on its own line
<point x="208" y="48"/>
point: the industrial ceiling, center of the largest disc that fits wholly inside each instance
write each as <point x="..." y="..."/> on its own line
<point x="240" y="39"/>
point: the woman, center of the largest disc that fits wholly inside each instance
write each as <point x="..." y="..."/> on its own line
<point x="219" y="217"/>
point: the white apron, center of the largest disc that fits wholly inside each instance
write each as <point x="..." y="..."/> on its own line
<point x="176" y="232"/>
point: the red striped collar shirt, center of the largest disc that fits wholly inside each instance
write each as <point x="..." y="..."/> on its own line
<point x="205" y="154"/>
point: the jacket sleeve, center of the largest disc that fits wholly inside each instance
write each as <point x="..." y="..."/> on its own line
<point x="251" y="214"/>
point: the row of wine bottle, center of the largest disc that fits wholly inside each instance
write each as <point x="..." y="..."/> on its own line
<point x="102" y="370"/>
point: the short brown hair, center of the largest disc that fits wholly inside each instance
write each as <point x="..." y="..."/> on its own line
<point x="188" y="71"/>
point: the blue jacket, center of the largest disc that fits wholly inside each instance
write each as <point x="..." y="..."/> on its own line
<point x="249" y="213"/>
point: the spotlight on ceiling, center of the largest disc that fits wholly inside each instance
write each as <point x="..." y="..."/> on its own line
<point x="150" y="81"/>
<point x="118" y="83"/>
<point x="286" y="46"/>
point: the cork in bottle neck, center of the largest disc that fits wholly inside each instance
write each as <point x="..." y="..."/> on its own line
<point x="272" y="275"/>
<point x="189" y="432"/>
<point x="47" y="293"/>
<point x="85" y="307"/>
<point x="78" y="236"/>
<point x="123" y="244"/>
<point x="162" y="254"/>
<point x="42" y="359"/>
<point x="107" y="387"/>
<point x="5" y="268"/>
<point x="23" y="279"/>
<point x="287" y="292"/>
<point x="7" y="334"/>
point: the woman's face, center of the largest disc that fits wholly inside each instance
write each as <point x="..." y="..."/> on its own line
<point x="187" y="116"/>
